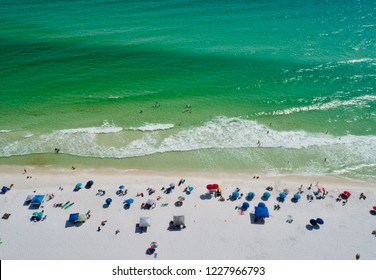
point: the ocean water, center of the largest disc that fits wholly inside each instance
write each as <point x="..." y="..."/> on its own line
<point x="266" y="86"/>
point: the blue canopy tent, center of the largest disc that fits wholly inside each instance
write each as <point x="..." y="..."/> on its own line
<point x="73" y="217"/>
<point x="37" y="200"/>
<point x="261" y="212"/>
<point x="4" y="189"/>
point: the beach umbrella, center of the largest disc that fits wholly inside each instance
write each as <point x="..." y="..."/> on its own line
<point x="154" y="245"/>
<point x="35" y="214"/>
<point x="122" y="187"/>
<point x="145" y="222"/>
<point x="267" y="194"/>
<point x="320" y="221"/>
<point x="150" y="202"/>
<point x="212" y="186"/>
<point x="347" y="193"/>
<point x="374" y="208"/>
<point x="108" y="200"/>
<point x="79" y="185"/>
<point x="261" y="204"/>
<point x="251" y="195"/>
<point x="235" y="194"/>
<point x="282" y="195"/>
<point x="190" y="189"/>
<point x="313" y="222"/>
<point x="297" y="196"/>
<point x="181" y="198"/>
<point x="245" y="205"/>
<point x="129" y="201"/>
<point x="172" y="185"/>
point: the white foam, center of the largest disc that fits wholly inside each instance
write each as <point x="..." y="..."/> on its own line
<point x="105" y="128"/>
<point x="5" y="131"/>
<point x="359" y="102"/>
<point x="153" y="127"/>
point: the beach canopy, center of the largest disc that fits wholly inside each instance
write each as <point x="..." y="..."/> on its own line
<point x="122" y="187"/>
<point x="313" y="222"/>
<point x="297" y="196"/>
<point x="82" y="218"/>
<point x="261" y="204"/>
<point x="129" y="201"/>
<point x="320" y="221"/>
<point x="108" y="200"/>
<point x="145" y="222"/>
<point x="37" y="200"/>
<point x="245" y="205"/>
<point x="282" y="195"/>
<point x="5" y="189"/>
<point x="73" y="217"/>
<point x="261" y="212"/>
<point x="178" y="221"/>
<point x="235" y="194"/>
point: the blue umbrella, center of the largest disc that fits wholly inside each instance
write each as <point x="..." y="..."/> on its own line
<point x="235" y="194"/>
<point x="121" y="187"/>
<point x="129" y="201"/>
<point x="79" y="185"/>
<point x="108" y="200"/>
<point x="297" y="196"/>
<point x="190" y="189"/>
<point x="261" y="204"/>
<point x="251" y="195"/>
<point x="282" y="195"/>
<point x="266" y="194"/>
<point x="245" y="205"/>
<point x="320" y="221"/>
<point x="313" y="222"/>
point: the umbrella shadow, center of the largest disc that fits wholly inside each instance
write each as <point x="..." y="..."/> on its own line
<point x="69" y="224"/>
<point x="248" y="198"/>
<point x="263" y="198"/>
<point x="105" y="206"/>
<point x="127" y="206"/>
<point x="206" y="196"/>
<point x="372" y="212"/>
<point x="255" y="221"/>
<point x="294" y="200"/>
<point x="178" y="204"/>
<point x="280" y="199"/>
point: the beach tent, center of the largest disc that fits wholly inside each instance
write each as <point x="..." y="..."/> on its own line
<point x="29" y="198"/>
<point x="73" y="217"/>
<point x="145" y="222"/>
<point x="82" y="218"/>
<point x="37" y="200"/>
<point x="179" y="221"/>
<point x="261" y="211"/>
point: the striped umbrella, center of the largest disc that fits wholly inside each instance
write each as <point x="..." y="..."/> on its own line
<point x="154" y="245"/>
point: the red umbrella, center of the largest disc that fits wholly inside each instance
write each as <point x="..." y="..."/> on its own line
<point x="212" y="186"/>
<point x="374" y="208"/>
<point x="347" y="193"/>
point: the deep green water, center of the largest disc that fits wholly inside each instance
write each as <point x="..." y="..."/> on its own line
<point x="272" y="86"/>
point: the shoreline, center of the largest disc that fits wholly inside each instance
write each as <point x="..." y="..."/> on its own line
<point x="215" y="230"/>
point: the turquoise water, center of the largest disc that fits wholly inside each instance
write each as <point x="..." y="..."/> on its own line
<point x="274" y="86"/>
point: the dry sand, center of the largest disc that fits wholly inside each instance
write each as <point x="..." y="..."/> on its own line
<point x="214" y="230"/>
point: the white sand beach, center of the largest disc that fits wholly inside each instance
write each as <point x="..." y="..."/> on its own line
<point x="215" y="229"/>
